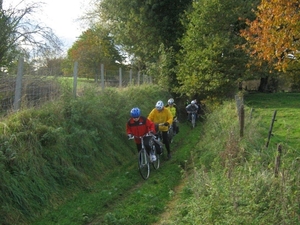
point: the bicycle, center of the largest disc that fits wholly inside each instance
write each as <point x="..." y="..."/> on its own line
<point x="193" y="118"/>
<point x="144" y="158"/>
<point x="172" y="131"/>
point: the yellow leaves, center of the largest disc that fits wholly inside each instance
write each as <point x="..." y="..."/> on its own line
<point x="272" y="34"/>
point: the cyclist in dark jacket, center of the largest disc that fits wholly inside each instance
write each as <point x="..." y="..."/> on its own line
<point x="139" y="125"/>
<point x="191" y="108"/>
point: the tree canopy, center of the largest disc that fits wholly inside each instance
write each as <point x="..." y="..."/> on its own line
<point x="274" y="35"/>
<point x="209" y="63"/>
<point x="140" y="27"/>
<point x="94" y="46"/>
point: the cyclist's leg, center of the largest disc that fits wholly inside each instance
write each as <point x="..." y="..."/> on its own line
<point x="166" y="142"/>
<point x="174" y="127"/>
<point x="148" y="142"/>
<point x="189" y="116"/>
<point x="138" y="146"/>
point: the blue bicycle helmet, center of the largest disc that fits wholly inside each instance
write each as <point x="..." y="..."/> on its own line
<point x="135" y="112"/>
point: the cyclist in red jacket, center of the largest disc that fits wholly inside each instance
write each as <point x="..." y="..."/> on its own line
<point x="139" y="125"/>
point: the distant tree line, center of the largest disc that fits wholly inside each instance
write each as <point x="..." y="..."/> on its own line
<point x="203" y="49"/>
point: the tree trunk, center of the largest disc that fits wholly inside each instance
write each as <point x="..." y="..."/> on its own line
<point x="263" y="84"/>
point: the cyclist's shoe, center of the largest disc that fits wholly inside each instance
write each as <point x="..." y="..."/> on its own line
<point x="153" y="158"/>
<point x="169" y="156"/>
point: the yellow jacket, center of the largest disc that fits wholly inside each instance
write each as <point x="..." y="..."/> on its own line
<point x="163" y="116"/>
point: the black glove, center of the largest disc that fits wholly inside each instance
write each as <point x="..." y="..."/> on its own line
<point x="166" y="124"/>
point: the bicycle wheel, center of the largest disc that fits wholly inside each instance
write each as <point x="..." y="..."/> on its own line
<point x="144" y="164"/>
<point x="157" y="162"/>
<point x="170" y="134"/>
<point x="193" y="120"/>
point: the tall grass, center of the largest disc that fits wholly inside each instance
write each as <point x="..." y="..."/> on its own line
<point x="47" y="155"/>
<point x="233" y="181"/>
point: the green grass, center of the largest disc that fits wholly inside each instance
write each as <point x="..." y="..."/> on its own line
<point x="286" y="105"/>
<point x="235" y="182"/>
<point x="123" y="197"/>
<point x="71" y="163"/>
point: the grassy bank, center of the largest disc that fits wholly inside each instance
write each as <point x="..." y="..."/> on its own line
<point x="234" y="179"/>
<point x="50" y="154"/>
<point x="71" y="163"/>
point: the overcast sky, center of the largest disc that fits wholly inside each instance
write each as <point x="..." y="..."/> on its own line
<point x="60" y="15"/>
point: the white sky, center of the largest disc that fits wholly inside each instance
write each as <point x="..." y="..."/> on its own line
<point x="60" y="15"/>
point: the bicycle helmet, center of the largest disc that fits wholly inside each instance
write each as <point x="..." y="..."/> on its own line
<point x="159" y="105"/>
<point x="171" y="101"/>
<point x="135" y="112"/>
<point x="193" y="102"/>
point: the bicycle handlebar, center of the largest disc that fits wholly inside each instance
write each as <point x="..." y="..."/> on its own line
<point x="161" y="124"/>
<point x="191" y="111"/>
<point x="145" y="135"/>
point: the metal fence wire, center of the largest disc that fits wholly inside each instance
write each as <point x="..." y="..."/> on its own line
<point x="18" y="90"/>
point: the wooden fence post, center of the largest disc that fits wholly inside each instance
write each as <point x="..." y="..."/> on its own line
<point x="120" y="77"/>
<point x="242" y="120"/>
<point x="271" y="128"/>
<point x="75" y="72"/>
<point x="102" y="76"/>
<point x="139" y="77"/>
<point x="18" y="89"/>
<point x="277" y="160"/>
<point x="130" y="77"/>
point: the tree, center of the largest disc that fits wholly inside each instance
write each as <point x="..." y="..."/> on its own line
<point x="209" y="64"/>
<point x="274" y="35"/>
<point x="51" y="67"/>
<point x="142" y="27"/>
<point x="93" y="47"/>
<point x="19" y="34"/>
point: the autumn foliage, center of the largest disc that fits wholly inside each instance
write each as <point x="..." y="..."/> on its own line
<point x="274" y="35"/>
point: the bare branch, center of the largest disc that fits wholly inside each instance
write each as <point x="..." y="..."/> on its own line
<point x="20" y="32"/>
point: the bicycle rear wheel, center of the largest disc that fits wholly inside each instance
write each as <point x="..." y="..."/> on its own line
<point x="144" y="164"/>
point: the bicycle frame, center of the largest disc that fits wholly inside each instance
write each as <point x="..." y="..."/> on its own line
<point x="144" y="159"/>
<point x="193" y="118"/>
<point x="171" y="131"/>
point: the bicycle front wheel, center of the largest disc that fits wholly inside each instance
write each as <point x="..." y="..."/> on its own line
<point x="193" y="121"/>
<point x="144" y="164"/>
<point x="170" y="134"/>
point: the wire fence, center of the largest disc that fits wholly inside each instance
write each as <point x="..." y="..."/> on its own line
<point x="31" y="90"/>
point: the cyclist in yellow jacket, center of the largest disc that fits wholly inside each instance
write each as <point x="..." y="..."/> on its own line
<point x="162" y="115"/>
<point x="174" y="110"/>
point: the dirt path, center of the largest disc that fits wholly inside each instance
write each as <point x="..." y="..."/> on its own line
<point x="169" y="210"/>
<point x="165" y="217"/>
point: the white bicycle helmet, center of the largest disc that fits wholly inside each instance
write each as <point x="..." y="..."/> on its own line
<point x="159" y="105"/>
<point x="193" y="102"/>
<point x="171" y="101"/>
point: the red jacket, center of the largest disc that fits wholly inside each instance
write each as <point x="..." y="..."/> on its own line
<point x="140" y="127"/>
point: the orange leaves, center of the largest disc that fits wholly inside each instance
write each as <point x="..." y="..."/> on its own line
<point x="274" y="33"/>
